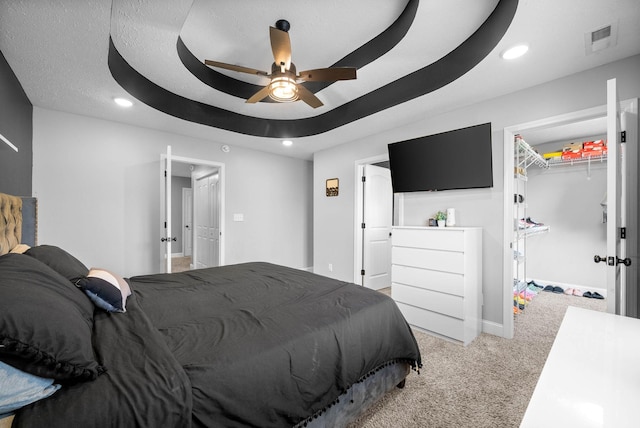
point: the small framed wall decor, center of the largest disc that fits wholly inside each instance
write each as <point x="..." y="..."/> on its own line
<point x="332" y="186"/>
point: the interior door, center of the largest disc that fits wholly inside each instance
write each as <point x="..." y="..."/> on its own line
<point x="616" y="205"/>
<point x="207" y="222"/>
<point x="377" y="222"/>
<point x="187" y="221"/>
<point x="165" y="238"/>
<point x="214" y="230"/>
<point x="202" y="223"/>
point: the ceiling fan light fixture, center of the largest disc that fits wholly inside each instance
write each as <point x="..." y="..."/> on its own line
<point x="283" y="89"/>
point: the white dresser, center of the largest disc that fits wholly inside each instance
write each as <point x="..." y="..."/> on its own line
<point x="436" y="279"/>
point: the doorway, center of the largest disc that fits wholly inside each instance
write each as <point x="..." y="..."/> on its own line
<point x="566" y="127"/>
<point x="188" y="170"/>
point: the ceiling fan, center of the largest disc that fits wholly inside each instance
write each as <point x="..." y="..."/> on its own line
<point x="284" y="85"/>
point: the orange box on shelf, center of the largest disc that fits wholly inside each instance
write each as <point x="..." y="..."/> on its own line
<point x="590" y="145"/>
<point x="601" y="151"/>
<point x="572" y="155"/>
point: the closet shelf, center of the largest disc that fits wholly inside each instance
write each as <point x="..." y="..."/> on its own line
<point x="588" y="160"/>
<point x="531" y="231"/>
<point x="526" y="156"/>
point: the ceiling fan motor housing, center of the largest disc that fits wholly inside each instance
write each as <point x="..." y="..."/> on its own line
<point x="283" y="25"/>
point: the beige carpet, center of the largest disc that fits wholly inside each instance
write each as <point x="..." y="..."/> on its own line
<point x="180" y="264"/>
<point x="486" y="384"/>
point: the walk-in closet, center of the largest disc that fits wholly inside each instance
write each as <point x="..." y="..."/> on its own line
<point x="560" y="208"/>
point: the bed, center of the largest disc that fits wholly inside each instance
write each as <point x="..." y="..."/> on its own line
<point x="251" y="344"/>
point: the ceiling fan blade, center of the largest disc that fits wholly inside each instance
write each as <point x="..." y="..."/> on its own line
<point x="307" y="96"/>
<point x="232" y="67"/>
<point x="281" y="47"/>
<point x="259" y="96"/>
<point x="328" y="74"/>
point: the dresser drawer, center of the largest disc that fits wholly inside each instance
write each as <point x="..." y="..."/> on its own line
<point x="432" y="321"/>
<point x="435" y="238"/>
<point x="444" y="282"/>
<point x="444" y="261"/>
<point x="446" y="304"/>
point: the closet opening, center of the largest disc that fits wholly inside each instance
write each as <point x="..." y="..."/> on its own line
<point x="557" y="177"/>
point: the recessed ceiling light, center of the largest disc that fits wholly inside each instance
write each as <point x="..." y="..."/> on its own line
<point x="123" y="102"/>
<point x="287" y="143"/>
<point x="515" y="52"/>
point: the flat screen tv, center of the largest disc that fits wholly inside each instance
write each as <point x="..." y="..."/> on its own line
<point x="459" y="159"/>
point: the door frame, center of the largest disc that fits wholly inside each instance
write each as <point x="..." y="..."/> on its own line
<point x="509" y="133"/>
<point x="199" y="162"/>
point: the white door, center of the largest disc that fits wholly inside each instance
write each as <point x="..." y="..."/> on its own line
<point x="376" y="231"/>
<point x="616" y="204"/>
<point x="202" y="223"/>
<point x="187" y="220"/>
<point x="214" y="231"/>
<point x="165" y="228"/>
<point x="207" y="222"/>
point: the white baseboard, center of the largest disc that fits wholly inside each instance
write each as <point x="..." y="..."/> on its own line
<point x="493" y="328"/>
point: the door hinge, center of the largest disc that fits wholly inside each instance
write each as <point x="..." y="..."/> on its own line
<point x="364" y="178"/>
<point x="165" y="173"/>
<point x="362" y="225"/>
<point x="362" y="272"/>
<point x="165" y="224"/>
<point x="623" y="233"/>
<point x="623" y="137"/>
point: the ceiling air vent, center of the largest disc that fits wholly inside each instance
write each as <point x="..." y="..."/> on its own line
<point x="601" y="38"/>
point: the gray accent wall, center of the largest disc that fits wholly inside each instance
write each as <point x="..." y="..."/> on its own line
<point x="334" y="217"/>
<point x="16" y="126"/>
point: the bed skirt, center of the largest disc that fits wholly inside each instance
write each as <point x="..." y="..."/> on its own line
<point x="360" y="397"/>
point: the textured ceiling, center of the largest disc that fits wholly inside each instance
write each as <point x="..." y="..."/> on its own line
<point x="60" y="52"/>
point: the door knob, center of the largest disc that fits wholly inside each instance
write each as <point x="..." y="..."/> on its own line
<point x="618" y="260"/>
<point x="168" y="239"/>
<point x="626" y="261"/>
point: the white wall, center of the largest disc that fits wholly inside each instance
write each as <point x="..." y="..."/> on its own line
<point x="567" y="198"/>
<point x="334" y="217"/>
<point x="98" y="189"/>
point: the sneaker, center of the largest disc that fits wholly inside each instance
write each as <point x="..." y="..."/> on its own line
<point x="533" y="223"/>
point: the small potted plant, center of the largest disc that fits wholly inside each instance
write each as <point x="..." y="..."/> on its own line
<point x="441" y="218"/>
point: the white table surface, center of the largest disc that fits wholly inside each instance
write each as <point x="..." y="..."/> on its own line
<point x="592" y="375"/>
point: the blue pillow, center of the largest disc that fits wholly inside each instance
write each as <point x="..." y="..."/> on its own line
<point x="106" y="290"/>
<point x="17" y="388"/>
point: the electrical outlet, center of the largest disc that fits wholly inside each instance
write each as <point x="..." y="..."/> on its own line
<point x="330" y="267"/>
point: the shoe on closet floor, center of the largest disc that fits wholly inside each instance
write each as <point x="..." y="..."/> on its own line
<point x="532" y="282"/>
<point x="548" y="288"/>
<point x="558" y="290"/>
<point x="596" y="295"/>
<point x="587" y="294"/>
<point x="577" y="292"/>
<point x="569" y="291"/>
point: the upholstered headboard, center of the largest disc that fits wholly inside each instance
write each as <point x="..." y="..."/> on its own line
<point x="18" y="221"/>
